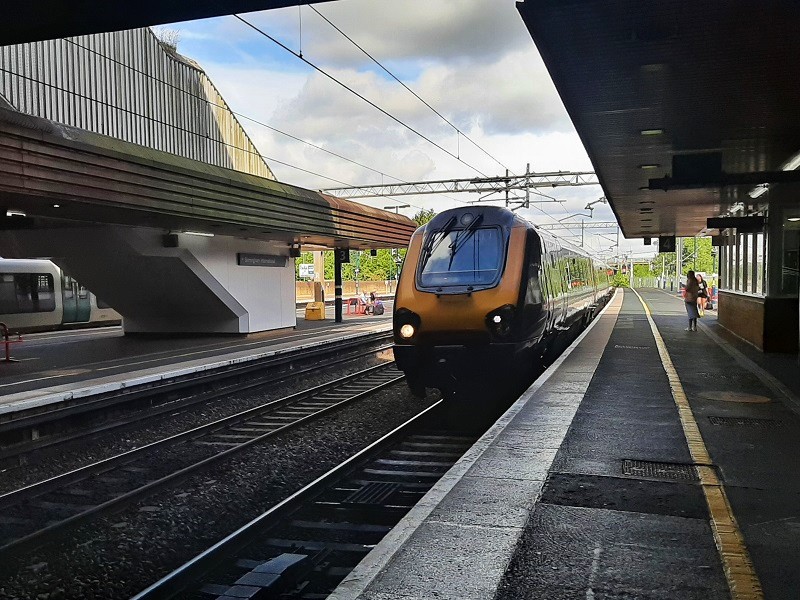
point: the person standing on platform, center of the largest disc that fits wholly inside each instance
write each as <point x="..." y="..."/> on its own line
<point x="702" y="294"/>
<point x="691" y="294"/>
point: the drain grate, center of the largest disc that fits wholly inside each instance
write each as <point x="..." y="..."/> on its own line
<point x="374" y="492"/>
<point x="655" y="470"/>
<point x="746" y="422"/>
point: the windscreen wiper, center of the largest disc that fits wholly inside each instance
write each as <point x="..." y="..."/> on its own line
<point x="462" y="238"/>
<point x="433" y="243"/>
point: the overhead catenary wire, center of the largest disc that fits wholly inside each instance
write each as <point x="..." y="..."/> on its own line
<point x="179" y="128"/>
<point x="358" y="95"/>
<point x="248" y="118"/>
<point x="233" y="112"/>
<point x="393" y="76"/>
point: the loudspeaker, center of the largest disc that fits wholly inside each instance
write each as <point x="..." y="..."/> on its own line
<point x="170" y="240"/>
<point x="373" y="252"/>
<point x="294" y="252"/>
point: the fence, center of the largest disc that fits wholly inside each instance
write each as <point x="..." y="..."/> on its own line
<point x="305" y="289"/>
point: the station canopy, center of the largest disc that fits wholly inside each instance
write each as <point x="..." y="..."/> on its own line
<point x="685" y="108"/>
<point x="54" y="175"/>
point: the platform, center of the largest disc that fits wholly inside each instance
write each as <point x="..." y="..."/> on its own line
<point x="63" y="365"/>
<point x="588" y="488"/>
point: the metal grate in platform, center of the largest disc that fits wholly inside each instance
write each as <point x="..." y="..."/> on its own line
<point x="656" y="470"/>
<point x="746" y="422"/>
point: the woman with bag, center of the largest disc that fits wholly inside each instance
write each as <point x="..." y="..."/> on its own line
<point x="702" y="295"/>
<point x="691" y="295"/>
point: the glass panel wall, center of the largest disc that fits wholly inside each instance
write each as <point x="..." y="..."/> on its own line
<point x="791" y="253"/>
<point x="742" y="262"/>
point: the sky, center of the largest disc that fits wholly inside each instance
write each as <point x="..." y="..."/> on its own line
<point x="472" y="60"/>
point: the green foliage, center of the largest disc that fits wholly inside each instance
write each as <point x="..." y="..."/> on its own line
<point x="423" y="216"/>
<point x="664" y="264"/>
<point x="697" y="255"/>
<point x="375" y="268"/>
<point x="621" y="280"/>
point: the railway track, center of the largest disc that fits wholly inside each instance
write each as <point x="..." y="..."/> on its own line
<point x="32" y="515"/>
<point x="70" y="423"/>
<point x="304" y="546"/>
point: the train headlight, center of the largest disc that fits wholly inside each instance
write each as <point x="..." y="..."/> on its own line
<point x="499" y="322"/>
<point x="406" y="325"/>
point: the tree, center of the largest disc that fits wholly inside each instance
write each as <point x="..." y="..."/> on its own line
<point x="423" y="216"/>
<point x="697" y="255"/>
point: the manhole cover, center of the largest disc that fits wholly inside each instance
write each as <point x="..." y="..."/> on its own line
<point x="655" y="470"/>
<point x="741" y="397"/>
<point x="745" y="422"/>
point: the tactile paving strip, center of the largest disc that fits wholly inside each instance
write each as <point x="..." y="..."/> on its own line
<point x="655" y="470"/>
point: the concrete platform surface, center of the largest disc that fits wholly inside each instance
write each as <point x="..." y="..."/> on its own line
<point x="65" y="365"/>
<point x="587" y="488"/>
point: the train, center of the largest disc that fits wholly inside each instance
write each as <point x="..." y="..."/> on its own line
<point x="36" y="295"/>
<point x="485" y="300"/>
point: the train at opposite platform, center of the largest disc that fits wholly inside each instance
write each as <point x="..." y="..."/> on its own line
<point x="36" y="295"/>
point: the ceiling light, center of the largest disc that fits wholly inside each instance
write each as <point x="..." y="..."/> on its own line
<point x="649" y="166"/>
<point x="759" y="190"/>
<point x="792" y="163"/>
<point x="793" y="219"/>
<point x="56" y="206"/>
<point x="15" y="213"/>
<point x="651" y="131"/>
<point x="199" y="233"/>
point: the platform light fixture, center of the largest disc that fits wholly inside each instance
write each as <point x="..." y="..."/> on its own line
<point x="793" y="219"/>
<point x="56" y="206"/>
<point x="198" y="233"/>
<point x="649" y="166"/>
<point x="759" y="190"/>
<point x="652" y="131"/>
<point x="15" y="213"/>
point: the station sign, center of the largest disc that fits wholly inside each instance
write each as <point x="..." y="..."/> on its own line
<point x="306" y="270"/>
<point x="244" y="259"/>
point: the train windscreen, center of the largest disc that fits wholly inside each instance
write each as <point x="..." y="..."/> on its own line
<point x="466" y="257"/>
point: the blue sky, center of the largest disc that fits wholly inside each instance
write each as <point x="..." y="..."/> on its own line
<point x="473" y="60"/>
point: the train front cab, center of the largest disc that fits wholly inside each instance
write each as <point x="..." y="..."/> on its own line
<point x="466" y="309"/>
<point x="524" y="300"/>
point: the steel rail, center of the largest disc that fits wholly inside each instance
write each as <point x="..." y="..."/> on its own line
<point x="179" y="579"/>
<point x="55" y="483"/>
<point x="181" y="404"/>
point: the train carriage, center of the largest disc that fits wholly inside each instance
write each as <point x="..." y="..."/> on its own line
<point x="485" y="298"/>
<point x="36" y="295"/>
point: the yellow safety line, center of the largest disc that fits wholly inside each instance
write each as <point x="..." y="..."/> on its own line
<point x="742" y="579"/>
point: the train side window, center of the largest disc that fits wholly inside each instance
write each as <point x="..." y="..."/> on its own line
<point x="26" y="293"/>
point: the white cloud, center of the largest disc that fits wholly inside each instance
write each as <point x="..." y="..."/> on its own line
<point x="473" y="60"/>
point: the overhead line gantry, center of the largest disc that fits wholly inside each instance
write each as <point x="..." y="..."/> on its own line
<point x="478" y="185"/>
